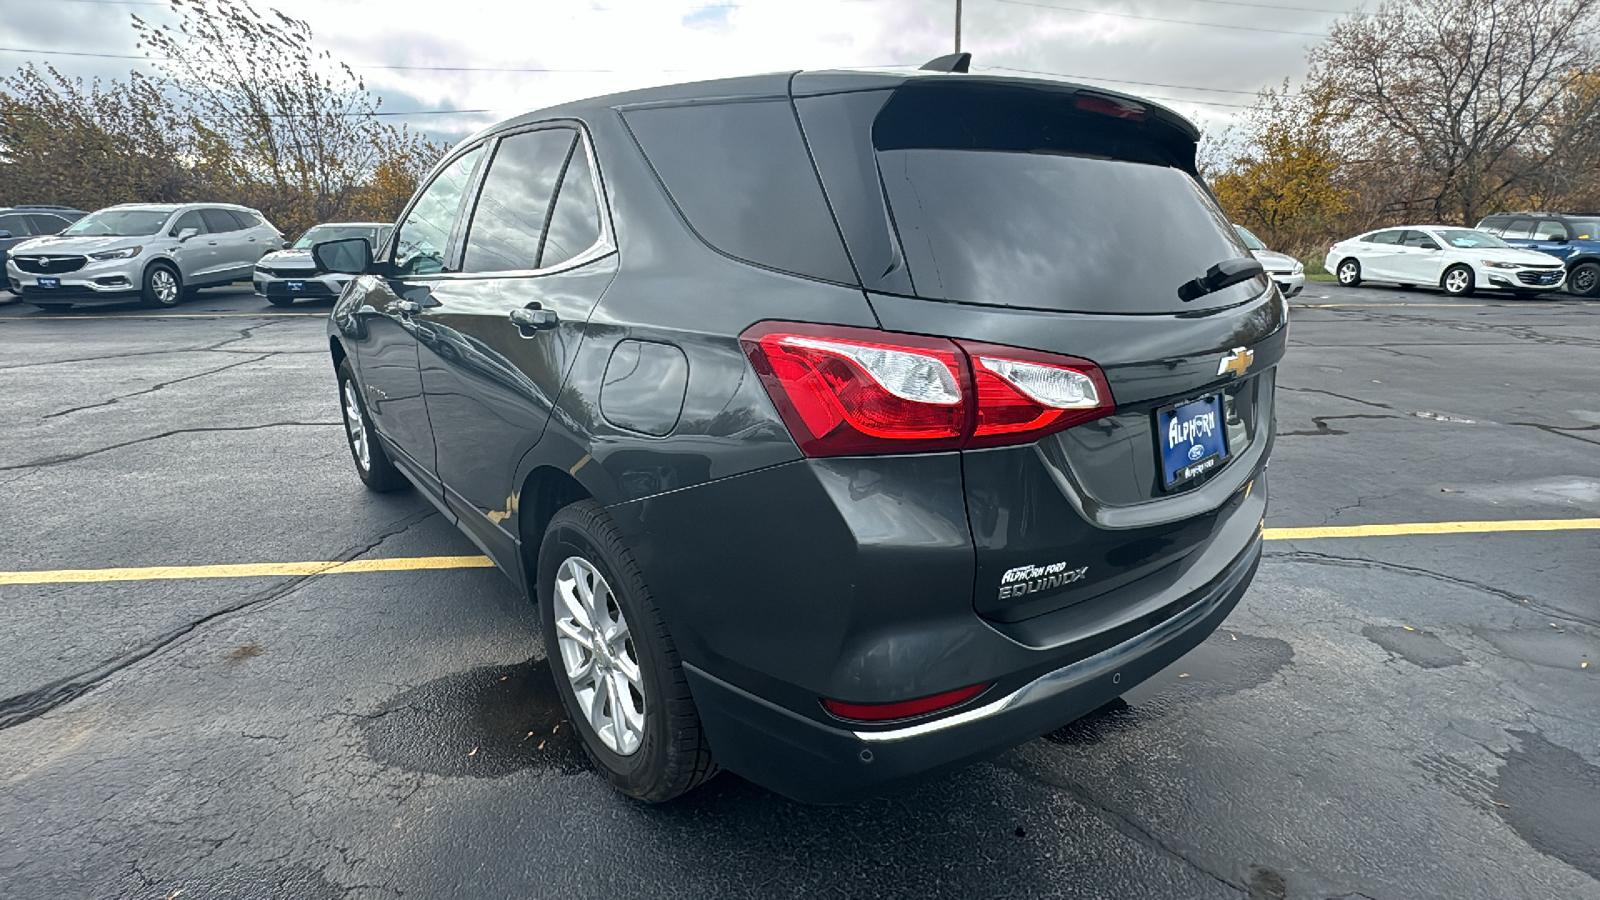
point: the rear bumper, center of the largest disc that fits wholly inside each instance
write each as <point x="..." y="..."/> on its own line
<point x="816" y="763"/>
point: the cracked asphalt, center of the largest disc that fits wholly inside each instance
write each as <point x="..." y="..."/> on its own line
<point x="1382" y="717"/>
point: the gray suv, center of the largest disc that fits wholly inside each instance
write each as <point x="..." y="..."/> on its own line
<point x="153" y="253"/>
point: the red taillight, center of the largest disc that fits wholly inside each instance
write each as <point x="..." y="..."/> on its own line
<point x="846" y="391"/>
<point x="905" y="709"/>
<point x="1115" y="107"/>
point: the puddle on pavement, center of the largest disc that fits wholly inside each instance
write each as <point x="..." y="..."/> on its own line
<point x="485" y="723"/>
<point x="1420" y="648"/>
<point x="1552" y="800"/>
<point x="1225" y="663"/>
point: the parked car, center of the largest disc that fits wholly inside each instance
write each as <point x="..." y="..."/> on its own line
<point x="1288" y="272"/>
<point x="828" y="480"/>
<point x="153" y="253"/>
<point x="18" y="223"/>
<point x="1458" y="260"/>
<point x="284" y="276"/>
<point x="1574" y="239"/>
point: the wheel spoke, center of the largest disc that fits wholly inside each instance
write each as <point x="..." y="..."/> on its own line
<point x="593" y="637"/>
<point x="623" y="711"/>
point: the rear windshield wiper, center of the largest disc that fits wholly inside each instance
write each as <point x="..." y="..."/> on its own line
<point x="1224" y="274"/>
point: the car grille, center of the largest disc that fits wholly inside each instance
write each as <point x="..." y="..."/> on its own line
<point x="1539" y="277"/>
<point x="285" y="273"/>
<point x="49" y="265"/>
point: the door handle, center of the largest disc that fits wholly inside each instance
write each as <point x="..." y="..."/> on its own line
<point x="532" y="318"/>
<point x="404" y="307"/>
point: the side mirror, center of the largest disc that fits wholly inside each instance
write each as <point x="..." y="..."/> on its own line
<point x="1430" y="245"/>
<point x="4" y="233"/>
<point x="285" y="246"/>
<point x="1558" y="240"/>
<point x="350" y="256"/>
<point x="185" y="233"/>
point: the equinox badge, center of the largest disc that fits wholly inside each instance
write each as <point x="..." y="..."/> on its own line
<point x="1237" y="361"/>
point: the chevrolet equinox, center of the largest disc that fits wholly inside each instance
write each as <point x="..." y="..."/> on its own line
<point x="845" y="427"/>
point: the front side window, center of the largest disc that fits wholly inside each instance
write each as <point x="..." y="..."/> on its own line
<point x="425" y="234"/>
<point x="513" y="207"/>
<point x="1417" y="239"/>
<point x="120" y="223"/>
<point x="190" y="219"/>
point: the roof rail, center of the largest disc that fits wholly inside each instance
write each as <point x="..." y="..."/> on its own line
<point x="42" y="206"/>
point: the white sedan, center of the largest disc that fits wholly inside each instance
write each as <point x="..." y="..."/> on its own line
<point x="1459" y="260"/>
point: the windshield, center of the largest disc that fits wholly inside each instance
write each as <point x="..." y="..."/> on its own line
<point x="120" y="223"/>
<point x="1056" y="231"/>
<point x="1467" y="239"/>
<point x="323" y="233"/>
<point x="1250" y="240"/>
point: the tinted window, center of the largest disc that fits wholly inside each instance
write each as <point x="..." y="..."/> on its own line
<point x="321" y="234"/>
<point x="17" y="225"/>
<point x="425" y="234"/>
<point x="1549" y="230"/>
<point x="219" y="220"/>
<point x="1056" y="232"/>
<point x="190" y="219"/>
<point x="1494" y="224"/>
<point x="1384" y="237"/>
<point x="575" y="226"/>
<point x="1519" y="229"/>
<point x="245" y="219"/>
<point x="1584" y="229"/>
<point x="47" y="224"/>
<point x="121" y="222"/>
<point x="740" y="175"/>
<point x="514" y="204"/>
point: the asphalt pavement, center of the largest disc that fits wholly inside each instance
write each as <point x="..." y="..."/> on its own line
<point x="1385" y="715"/>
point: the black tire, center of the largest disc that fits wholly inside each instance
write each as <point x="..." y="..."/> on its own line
<point x="1348" y="271"/>
<point x="672" y="757"/>
<point x="281" y="301"/>
<point x="156" y="293"/>
<point x="1458" y="287"/>
<point x="1584" y="280"/>
<point x="376" y="471"/>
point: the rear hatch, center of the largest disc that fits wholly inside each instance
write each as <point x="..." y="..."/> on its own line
<point x="1064" y="220"/>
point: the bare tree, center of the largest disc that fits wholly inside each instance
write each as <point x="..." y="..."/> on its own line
<point x="1451" y="108"/>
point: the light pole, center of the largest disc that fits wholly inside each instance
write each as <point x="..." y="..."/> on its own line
<point x="958" y="26"/>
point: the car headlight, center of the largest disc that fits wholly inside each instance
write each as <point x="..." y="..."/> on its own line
<point x="1497" y="264"/>
<point x="124" y="253"/>
<point x="1299" y="268"/>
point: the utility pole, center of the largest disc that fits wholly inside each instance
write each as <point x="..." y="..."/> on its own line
<point x="958" y="26"/>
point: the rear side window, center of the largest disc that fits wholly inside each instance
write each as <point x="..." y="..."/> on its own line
<point x="514" y="205"/>
<point x="47" y="224"/>
<point x="575" y="224"/>
<point x="1550" y="230"/>
<point x="1519" y="229"/>
<point x="740" y="174"/>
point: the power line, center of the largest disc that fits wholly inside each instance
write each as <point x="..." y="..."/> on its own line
<point x="1309" y="9"/>
<point x="1098" y="12"/>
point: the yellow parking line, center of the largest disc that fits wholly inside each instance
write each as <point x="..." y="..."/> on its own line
<point x="415" y="563"/>
<point x="1351" y="531"/>
<point x="247" y="570"/>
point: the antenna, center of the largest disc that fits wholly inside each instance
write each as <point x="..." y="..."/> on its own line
<point x="954" y="62"/>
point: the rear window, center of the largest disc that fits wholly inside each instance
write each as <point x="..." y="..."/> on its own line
<point x="1012" y="194"/>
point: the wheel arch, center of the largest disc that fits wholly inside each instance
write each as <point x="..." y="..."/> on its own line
<point x="544" y="492"/>
<point x="1574" y="261"/>
<point x="337" y="351"/>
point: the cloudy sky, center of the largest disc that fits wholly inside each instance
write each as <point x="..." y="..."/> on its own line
<point x="1205" y="58"/>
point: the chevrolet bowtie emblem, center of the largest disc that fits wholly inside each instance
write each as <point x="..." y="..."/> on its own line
<point x="1238" y="361"/>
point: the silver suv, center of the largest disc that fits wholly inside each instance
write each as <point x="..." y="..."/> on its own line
<point x="155" y="253"/>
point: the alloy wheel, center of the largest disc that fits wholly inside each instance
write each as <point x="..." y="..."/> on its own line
<point x="165" y="286"/>
<point x="1456" y="281"/>
<point x="599" y="657"/>
<point x="1583" y="280"/>
<point x="355" y="426"/>
<point x="1347" y="273"/>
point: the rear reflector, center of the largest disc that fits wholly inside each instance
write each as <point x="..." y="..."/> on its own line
<point x="846" y="391"/>
<point x="905" y="709"/>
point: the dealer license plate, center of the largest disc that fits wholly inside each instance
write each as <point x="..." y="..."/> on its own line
<point x="1192" y="438"/>
<point x="49" y="282"/>
<point x="295" y="286"/>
